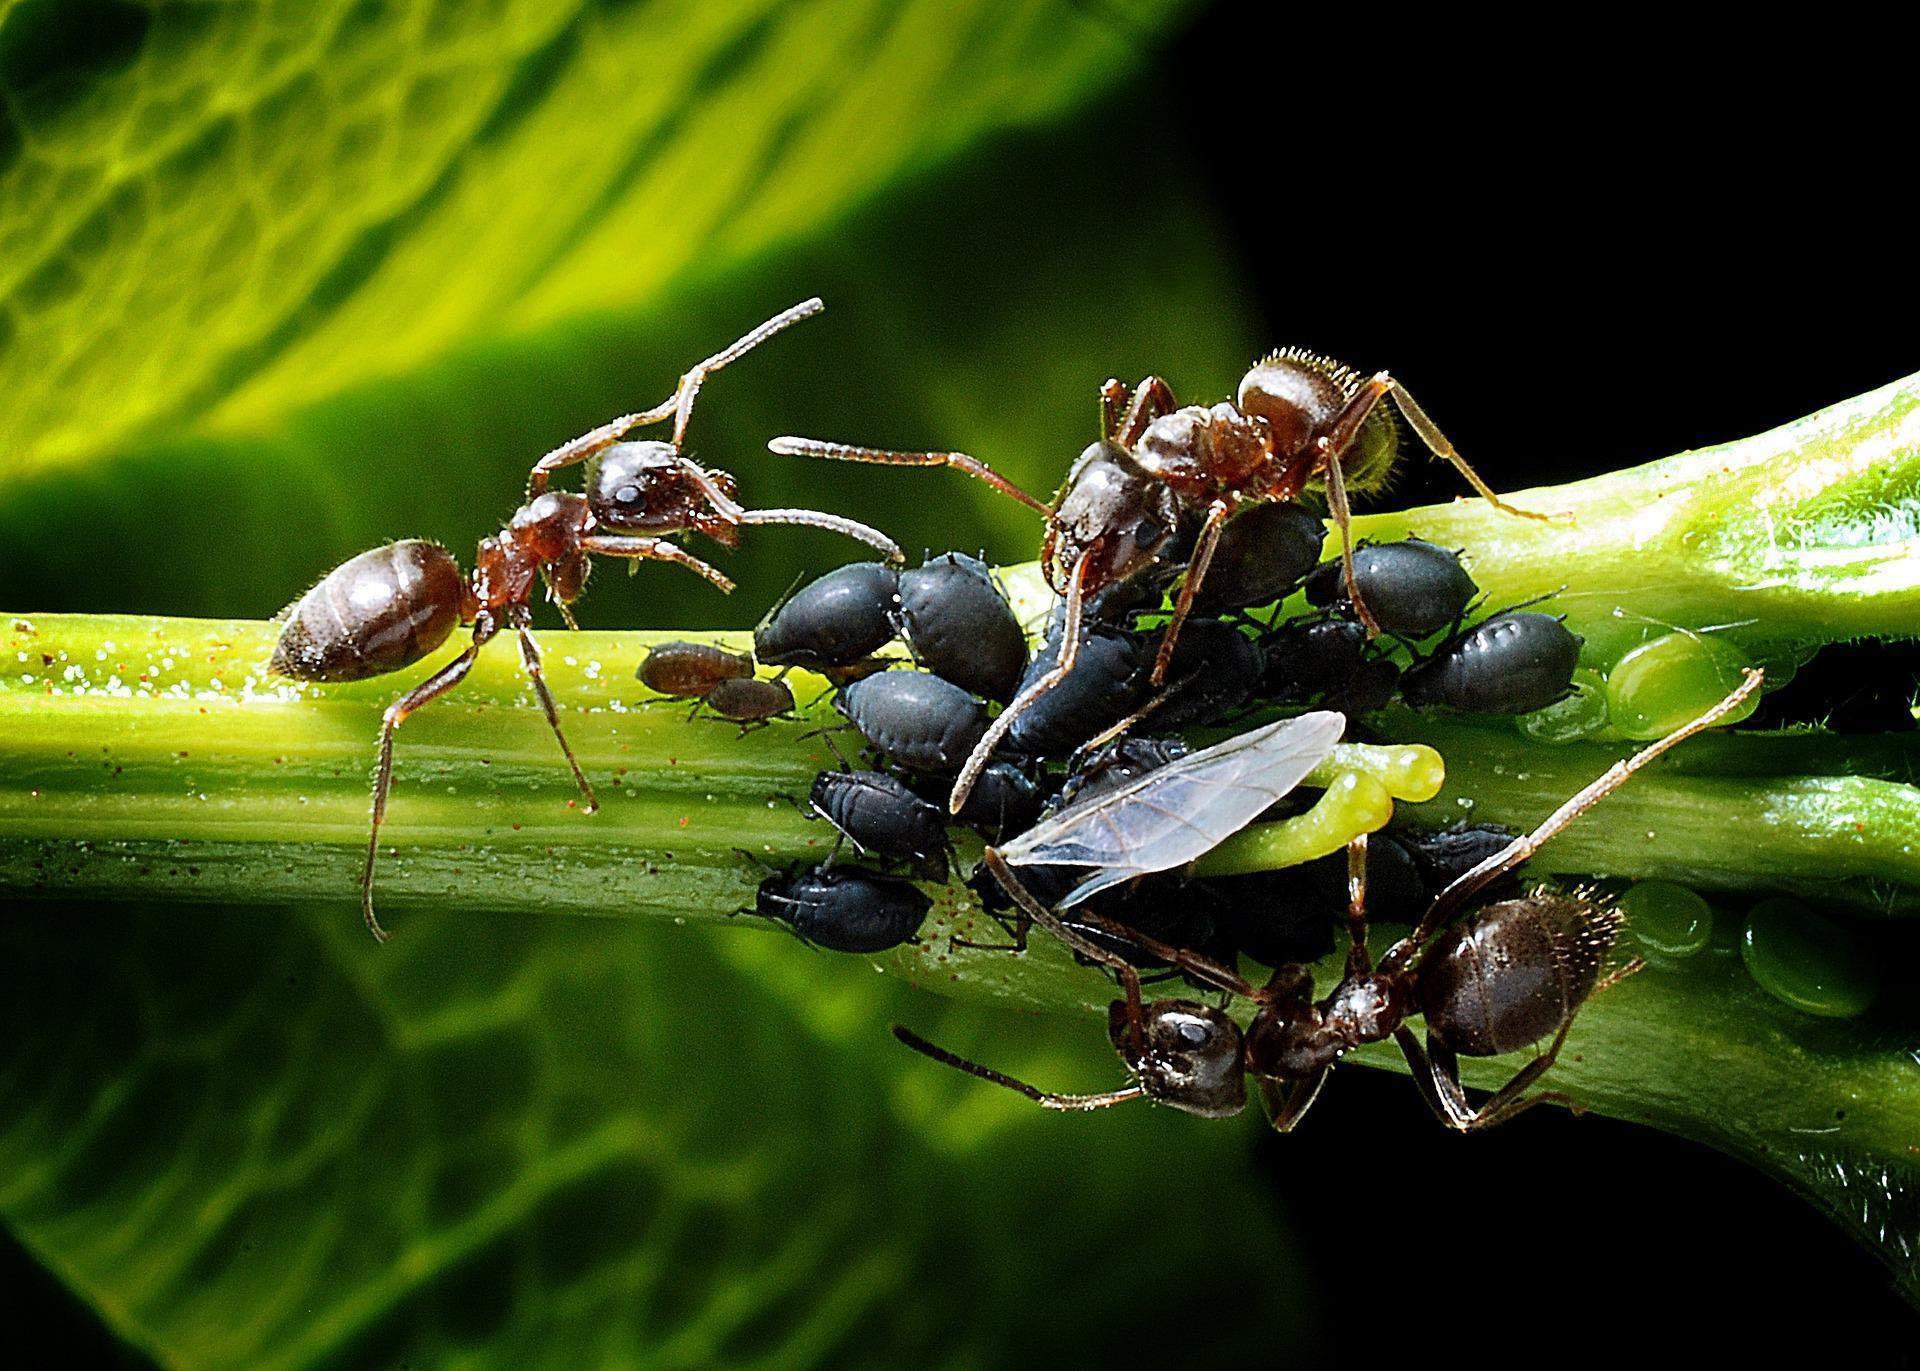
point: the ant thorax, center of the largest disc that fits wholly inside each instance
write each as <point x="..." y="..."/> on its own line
<point x="1201" y="451"/>
<point x="545" y="532"/>
<point x="1295" y="1038"/>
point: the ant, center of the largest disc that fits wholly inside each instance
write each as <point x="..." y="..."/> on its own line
<point x="1162" y="473"/>
<point x="1509" y="975"/>
<point x="388" y="608"/>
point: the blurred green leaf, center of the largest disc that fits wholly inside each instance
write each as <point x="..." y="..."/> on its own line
<point x="276" y="284"/>
<point x="255" y="1142"/>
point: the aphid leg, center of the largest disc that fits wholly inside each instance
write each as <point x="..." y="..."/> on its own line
<point x="530" y="659"/>
<point x="1437" y="1070"/>
<point x="1217" y="515"/>
<point x="1437" y="443"/>
<point x="679" y="404"/>
<point x="1342" y="515"/>
<point x="1045" y="1099"/>
<point x="436" y="685"/>
<point x="959" y="461"/>
<point x="1524" y="846"/>
<point x="1286" y="1105"/>
<point x="657" y="550"/>
<point x="1359" y="960"/>
<point x="1071" y="633"/>
<point x="832" y="523"/>
<point x="1150" y="399"/>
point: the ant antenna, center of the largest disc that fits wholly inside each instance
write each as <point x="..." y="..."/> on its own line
<point x="1040" y="1097"/>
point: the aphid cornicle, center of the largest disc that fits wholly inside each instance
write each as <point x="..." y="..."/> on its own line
<point x="386" y="609"/>
<point x="1162" y="475"/>
<point x="1502" y="978"/>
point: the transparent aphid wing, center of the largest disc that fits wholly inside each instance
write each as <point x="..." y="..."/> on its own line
<point x="1171" y="816"/>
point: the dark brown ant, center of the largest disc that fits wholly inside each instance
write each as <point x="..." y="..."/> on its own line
<point x="386" y="609"/>
<point x="1161" y="473"/>
<point x="1505" y="977"/>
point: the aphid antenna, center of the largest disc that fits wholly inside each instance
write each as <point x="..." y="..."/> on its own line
<point x="1045" y="1099"/>
<point x="1695" y="633"/>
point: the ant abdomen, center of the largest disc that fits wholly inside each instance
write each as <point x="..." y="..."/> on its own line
<point x="1516" y="972"/>
<point x="373" y="614"/>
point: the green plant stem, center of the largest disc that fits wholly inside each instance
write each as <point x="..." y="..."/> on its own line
<point x="154" y="759"/>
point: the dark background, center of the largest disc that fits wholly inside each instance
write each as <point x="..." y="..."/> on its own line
<point x="1582" y="249"/>
<point x="1582" y="244"/>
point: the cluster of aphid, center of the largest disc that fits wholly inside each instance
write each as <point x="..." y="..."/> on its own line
<point x="1165" y="538"/>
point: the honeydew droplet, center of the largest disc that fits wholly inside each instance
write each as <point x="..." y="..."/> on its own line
<point x="1808" y="961"/>
<point x="1668" y="920"/>
<point x="1662" y="684"/>
<point x="1581" y="715"/>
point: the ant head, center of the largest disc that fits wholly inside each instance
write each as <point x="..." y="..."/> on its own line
<point x="1191" y="1059"/>
<point x="1113" y="512"/>
<point x="649" y="488"/>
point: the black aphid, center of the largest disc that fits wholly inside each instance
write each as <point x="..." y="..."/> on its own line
<point x="1512" y="663"/>
<point x="844" y="908"/>
<point x="915" y="719"/>
<point x="1414" y="588"/>
<point x="834" y="621"/>
<point x="961" y="627"/>
<point x="880" y="816"/>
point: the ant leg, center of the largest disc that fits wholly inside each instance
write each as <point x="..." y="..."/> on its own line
<point x="1439" y="1077"/>
<point x="1152" y="398"/>
<point x="1527" y="844"/>
<point x="1342" y="515"/>
<point x="429" y="690"/>
<point x="657" y="550"/>
<point x="1438" y="444"/>
<point x="1359" y="960"/>
<point x="1219" y="976"/>
<point x="1044" y="1099"/>
<point x="530" y="658"/>
<point x="959" y="461"/>
<point x="1217" y="515"/>
<point x="1071" y="633"/>
<point x="679" y="404"/>
<point x="1286" y="1107"/>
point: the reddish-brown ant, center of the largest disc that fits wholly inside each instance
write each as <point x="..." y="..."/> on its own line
<point x="1505" y="977"/>
<point x="1161" y="473"/>
<point x="386" y="609"/>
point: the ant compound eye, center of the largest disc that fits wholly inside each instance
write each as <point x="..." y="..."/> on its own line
<point x="1195" y="1034"/>
<point x="627" y="496"/>
<point x="1148" y="532"/>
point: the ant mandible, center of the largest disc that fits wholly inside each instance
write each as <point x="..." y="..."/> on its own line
<point x="388" y="608"/>
<point x="1161" y="471"/>
<point x="1502" y="979"/>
